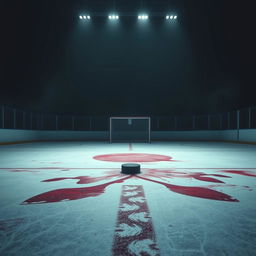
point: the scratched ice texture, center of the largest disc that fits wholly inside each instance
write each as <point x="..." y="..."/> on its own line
<point x="221" y="222"/>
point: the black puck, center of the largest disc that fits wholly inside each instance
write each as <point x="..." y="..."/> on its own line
<point x="130" y="168"/>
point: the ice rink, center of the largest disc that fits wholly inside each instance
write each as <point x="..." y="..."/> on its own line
<point x="69" y="198"/>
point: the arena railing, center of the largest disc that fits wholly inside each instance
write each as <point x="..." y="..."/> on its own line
<point x="11" y="118"/>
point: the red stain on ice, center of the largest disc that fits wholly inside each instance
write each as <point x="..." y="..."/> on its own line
<point x="84" y="179"/>
<point x="143" y="228"/>
<point x="195" y="175"/>
<point x="148" y="174"/>
<point x="244" y="173"/>
<point x="195" y="191"/>
<point x="68" y="194"/>
<point x="133" y="157"/>
<point x="22" y="171"/>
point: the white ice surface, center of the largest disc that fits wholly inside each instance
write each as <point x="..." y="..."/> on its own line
<point x="184" y="225"/>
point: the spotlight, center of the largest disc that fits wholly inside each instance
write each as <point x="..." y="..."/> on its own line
<point x="143" y="17"/>
<point x="84" y="17"/>
<point x="113" y="17"/>
<point x="171" y="17"/>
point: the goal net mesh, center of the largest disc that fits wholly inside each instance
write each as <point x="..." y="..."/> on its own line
<point x="129" y="129"/>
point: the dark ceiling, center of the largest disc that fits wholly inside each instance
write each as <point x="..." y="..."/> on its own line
<point x="53" y="62"/>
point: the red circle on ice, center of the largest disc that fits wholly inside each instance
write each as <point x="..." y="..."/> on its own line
<point x="133" y="157"/>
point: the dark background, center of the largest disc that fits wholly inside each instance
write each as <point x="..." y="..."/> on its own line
<point x="53" y="62"/>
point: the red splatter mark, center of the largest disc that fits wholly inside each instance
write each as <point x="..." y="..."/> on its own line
<point x="7" y="225"/>
<point x="67" y="194"/>
<point x="196" y="191"/>
<point x="134" y="233"/>
<point x="133" y="157"/>
<point x="23" y="171"/>
<point x="147" y="174"/>
<point x="173" y="174"/>
<point x="244" y="173"/>
<point x="85" y="179"/>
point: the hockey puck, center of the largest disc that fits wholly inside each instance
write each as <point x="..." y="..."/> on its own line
<point x="130" y="168"/>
